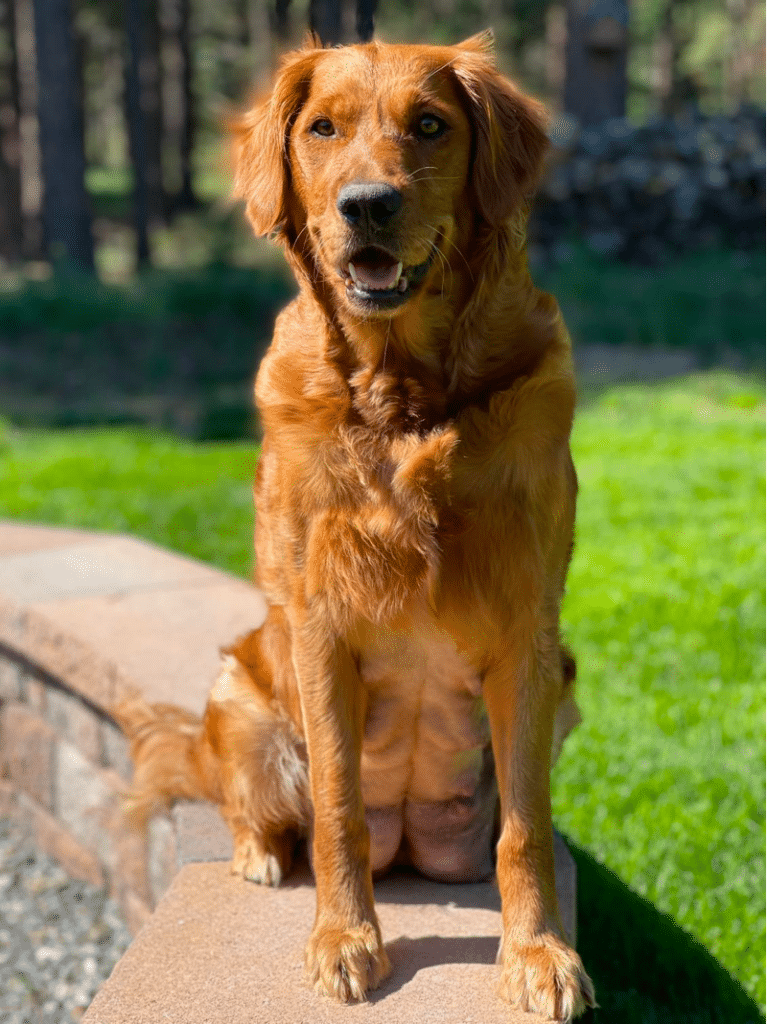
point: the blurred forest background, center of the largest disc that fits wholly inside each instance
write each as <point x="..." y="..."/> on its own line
<point x="123" y="265"/>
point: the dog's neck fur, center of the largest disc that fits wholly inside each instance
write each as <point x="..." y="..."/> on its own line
<point x="420" y="368"/>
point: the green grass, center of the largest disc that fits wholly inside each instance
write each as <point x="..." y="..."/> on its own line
<point x="178" y="347"/>
<point x="195" y="498"/>
<point x="664" y="782"/>
<point x="159" y="349"/>
<point x="660" y="791"/>
<point x="711" y="302"/>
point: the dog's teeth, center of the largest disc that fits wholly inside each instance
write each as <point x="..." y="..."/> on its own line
<point x="402" y="286"/>
<point x="353" y="273"/>
<point x="399" y="275"/>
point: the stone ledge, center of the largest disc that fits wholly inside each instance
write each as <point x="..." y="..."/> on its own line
<point x="86" y="618"/>
<point x="63" y="768"/>
<point x="111" y="615"/>
<point x="222" y="951"/>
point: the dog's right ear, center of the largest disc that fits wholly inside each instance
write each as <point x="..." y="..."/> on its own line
<point x="510" y="141"/>
<point x="262" y="170"/>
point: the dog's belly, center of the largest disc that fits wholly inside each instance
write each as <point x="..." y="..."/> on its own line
<point x="427" y="774"/>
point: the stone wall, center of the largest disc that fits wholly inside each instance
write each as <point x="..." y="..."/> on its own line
<point x="644" y="194"/>
<point x="63" y="767"/>
<point x="86" y="620"/>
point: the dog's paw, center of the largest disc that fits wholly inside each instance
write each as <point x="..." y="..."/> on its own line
<point x="345" y="963"/>
<point x="255" y="863"/>
<point x="546" y="976"/>
<point x="422" y="470"/>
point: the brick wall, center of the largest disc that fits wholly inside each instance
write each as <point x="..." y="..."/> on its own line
<point x="63" y="767"/>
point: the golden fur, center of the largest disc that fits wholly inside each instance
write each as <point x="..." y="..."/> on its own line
<point x="415" y="504"/>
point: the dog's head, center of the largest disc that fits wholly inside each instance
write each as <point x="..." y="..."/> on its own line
<point x="378" y="160"/>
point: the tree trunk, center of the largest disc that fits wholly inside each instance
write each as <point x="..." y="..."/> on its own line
<point x="31" y="177"/>
<point x="150" y="82"/>
<point x="11" y="217"/>
<point x="325" y="20"/>
<point x="66" y="210"/>
<point x="669" y="89"/>
<point x="597" y="45"/>
<point x="137" y="130"/>
<point x="257" y="38"/>
<point x="282" y="19"/>
<point x="366" y="10"/>
<point x="556" y="51"/>
<point x="739" y="63"/>
<point x="179" y="123"/>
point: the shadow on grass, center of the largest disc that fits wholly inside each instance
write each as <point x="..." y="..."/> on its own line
<point x="645" y="968"/>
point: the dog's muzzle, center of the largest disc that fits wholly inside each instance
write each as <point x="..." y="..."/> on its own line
<point x="376" y="280"/>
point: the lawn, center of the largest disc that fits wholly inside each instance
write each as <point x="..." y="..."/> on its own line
<point x="178" y="346"/>
<point x="661" y="791"/>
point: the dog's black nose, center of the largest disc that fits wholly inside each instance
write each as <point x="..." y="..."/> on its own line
<point x="369" y="204"/>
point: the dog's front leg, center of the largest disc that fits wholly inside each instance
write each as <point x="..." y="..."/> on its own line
<point x="540" y="971"/>
<point x="345" y="955"/>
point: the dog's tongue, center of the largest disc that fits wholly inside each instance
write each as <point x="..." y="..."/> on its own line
<point x="376" y="278"/>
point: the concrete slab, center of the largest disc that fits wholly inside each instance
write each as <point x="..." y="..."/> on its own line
<point x="100" y="567"/>
<point x="165" y="641"/>
<point x="109" y="615"/>
<point x="16" y="538"/>
<point x="219" y="950"/>
<point x="38" y="640"/>
<point x="201" y="833"/>
<point x="104" y="615"/>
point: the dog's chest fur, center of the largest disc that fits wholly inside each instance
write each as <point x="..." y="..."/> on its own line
<point x="377" y="510"/>
<point x="427" y="778"/>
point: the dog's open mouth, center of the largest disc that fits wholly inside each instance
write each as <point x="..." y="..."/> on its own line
<point x="375" y="279"/>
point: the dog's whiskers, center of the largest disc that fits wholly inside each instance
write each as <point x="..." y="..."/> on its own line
<point x="386" y="346"/>
<point x="444" y="264"/>
<point x="418" y="170"/>
<point x="445" y="65"/>
<point x="298" y="236"/>
<point x="466" y="262"/>
<point x="434" y="177"/>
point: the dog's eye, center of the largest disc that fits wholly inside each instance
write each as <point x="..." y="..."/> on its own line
<point x="323" y="127"/>
<point x="430" y="127"/>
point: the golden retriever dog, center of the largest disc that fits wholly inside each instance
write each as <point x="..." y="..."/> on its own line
<point x="415" y="500"/>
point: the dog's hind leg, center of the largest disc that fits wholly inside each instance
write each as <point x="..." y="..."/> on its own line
<point x="259" y="856"/>
<point x="264" y="781"/>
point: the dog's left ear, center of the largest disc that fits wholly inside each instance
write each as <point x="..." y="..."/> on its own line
<point x="510" y="141"/>
<point x="262" y="171"/>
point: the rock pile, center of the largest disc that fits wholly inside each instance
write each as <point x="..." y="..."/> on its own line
<point x="643" y="194"/>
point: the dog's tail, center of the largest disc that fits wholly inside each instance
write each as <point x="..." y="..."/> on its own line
<point x="568" y="715"/>
<point x="171" y="754"/>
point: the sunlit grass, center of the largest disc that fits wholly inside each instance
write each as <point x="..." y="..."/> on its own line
<point x="664" y="781"/>
<point x="195" y="498"/>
